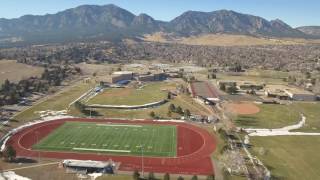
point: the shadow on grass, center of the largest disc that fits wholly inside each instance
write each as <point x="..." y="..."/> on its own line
<point x="246" y="121"/>
<point x="14" y="120"/>
<point x="91" y="113"/>
<point x="24" y="160"/>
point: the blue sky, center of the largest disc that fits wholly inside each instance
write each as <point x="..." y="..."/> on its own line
<point x="293" y="12"/>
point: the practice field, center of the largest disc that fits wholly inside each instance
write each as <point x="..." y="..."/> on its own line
<point x="289" y="157"/>
<point x="270" y="116"/>
<point x="149" y="93"/>
<point x="123" y="139"/>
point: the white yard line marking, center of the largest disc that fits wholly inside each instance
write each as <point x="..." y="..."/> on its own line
<point x="104" y="150"/>
<point x="118" y="125"/>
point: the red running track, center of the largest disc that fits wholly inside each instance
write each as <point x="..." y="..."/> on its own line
<point x="195" y="146"/>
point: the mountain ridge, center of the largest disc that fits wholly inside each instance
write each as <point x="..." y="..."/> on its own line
<point x="110" y="22"/>
<point x="310" y="30"/>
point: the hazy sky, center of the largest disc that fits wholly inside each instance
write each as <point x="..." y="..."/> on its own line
<point x="293" y="12"/>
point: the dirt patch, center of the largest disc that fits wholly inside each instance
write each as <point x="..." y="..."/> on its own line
<point x="13" y="71"/>
<point x="243" y="108"/>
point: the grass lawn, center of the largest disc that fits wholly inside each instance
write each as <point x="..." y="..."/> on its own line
<point x="270" y="116"/>
<point x="57" y="102"/>
<point x="152" y="92"/>
<point x="289" y="157"/>
<point x="126" y="139"/>
<point x="312" y="112"/>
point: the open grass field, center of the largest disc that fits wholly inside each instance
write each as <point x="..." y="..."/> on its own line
<point x="124" y="139"/>
<point x="151" y="92"/>
<point x="312" y="112"/>
<point x="270" y="116"/>
<point x="14" y="72"/>
<point x="277" y="116"/>
<point x="289" y="157"/>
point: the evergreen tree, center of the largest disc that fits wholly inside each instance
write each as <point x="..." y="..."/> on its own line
<point x="136" y="175"/>
<point x="187" y="113"/>
<point x="152" y="114"/>
<point x="231" y="89"/>
<point x="222" y="87"/>
<point x="151" y="176"/>
<point x="210" y="177"/>
<point x="9" y="153"/>
<point x="166" y="176"/>
<point x="6" y="86"/>
<point x="179" y="110"/>
<point x="194" y="177"/>
<point x="172" y="108"/>
<point x="81" y="107"/>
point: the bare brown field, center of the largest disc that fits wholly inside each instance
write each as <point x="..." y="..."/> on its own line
<point x="224" y="40"/>
<point x="99" y="69"/>
<point x="14" y="72"/>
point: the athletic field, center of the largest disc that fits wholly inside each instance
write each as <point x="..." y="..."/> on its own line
<point x="151" y="92"/>
<point x="123" y="139"/>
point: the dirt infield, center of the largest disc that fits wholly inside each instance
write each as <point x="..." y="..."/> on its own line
<point x="194" y="148"/>
<point x="243" y="108"/>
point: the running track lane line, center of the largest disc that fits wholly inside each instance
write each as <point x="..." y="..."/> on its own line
<point x="34" y="166"/>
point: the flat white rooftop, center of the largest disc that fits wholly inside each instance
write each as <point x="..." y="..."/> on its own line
<point x="85" y="163"/>
<point x="122" y="72"/>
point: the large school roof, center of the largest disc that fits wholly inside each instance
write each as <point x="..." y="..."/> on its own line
<point x="122" y="72"/>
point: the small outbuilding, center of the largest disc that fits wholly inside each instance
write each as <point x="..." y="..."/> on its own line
<point x="88" y="166"/>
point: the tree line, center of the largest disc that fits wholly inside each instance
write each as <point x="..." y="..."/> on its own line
<point x="12" y="93"/>
<point x="137" y="176"/>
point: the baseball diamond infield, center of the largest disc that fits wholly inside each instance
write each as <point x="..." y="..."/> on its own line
<point x="194" y="147"/>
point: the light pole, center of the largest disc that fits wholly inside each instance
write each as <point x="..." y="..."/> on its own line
<point x="142" y="163"/>
<point x="37" y="143"/>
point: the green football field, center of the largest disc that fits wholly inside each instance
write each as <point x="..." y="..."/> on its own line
<point x="123" y="139"/>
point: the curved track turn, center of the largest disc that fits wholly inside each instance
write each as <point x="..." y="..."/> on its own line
<point x="194" y="148"/>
